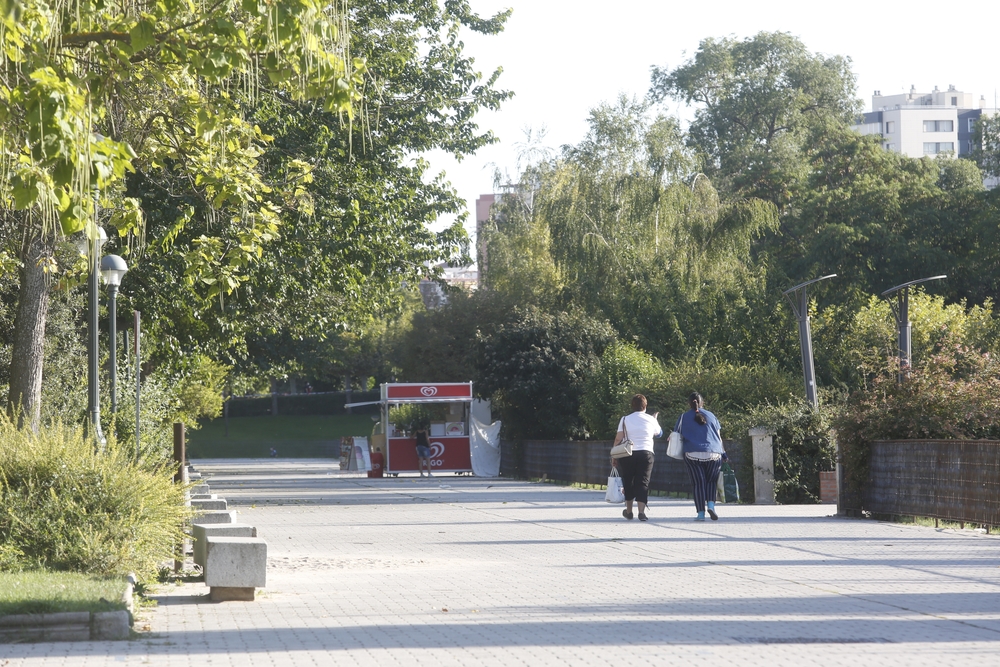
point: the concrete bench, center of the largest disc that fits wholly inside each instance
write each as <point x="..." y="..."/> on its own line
<point x="199" y="489"/>
<point x="204" y="496"/>
<point x="201" y="531"/>
<point x="206" y="505"/>
<point x="227" y="516"/>
<point x="235" y="567"/>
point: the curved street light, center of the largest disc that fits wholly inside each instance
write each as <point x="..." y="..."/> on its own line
<point x="799" y="299"/>
<point x="901" y="309"/>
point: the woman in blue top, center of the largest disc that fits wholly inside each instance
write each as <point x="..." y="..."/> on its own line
<point x="703" y="453"/>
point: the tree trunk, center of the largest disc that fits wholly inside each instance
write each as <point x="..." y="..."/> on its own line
<point x="28" y="352"/>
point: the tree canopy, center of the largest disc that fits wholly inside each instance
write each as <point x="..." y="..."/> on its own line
<point x="759" y="102"/>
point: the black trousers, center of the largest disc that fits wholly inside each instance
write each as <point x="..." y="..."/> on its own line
<point x="704" y="478"/>
<point x="636" y="471"/>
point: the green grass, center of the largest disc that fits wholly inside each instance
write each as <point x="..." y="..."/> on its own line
<point x="293" y="437"/>
<point x="40" y="592"/>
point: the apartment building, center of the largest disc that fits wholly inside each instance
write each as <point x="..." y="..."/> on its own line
<point x="918" y="124"/>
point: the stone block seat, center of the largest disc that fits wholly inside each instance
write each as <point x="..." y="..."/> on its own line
<point x="201" y="531"/>
<point x="235" y="567"/>
<point x="227" y="516"/>
<point x="206" y="505"/>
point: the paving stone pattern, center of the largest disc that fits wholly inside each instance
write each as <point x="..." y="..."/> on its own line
<point x="466" y="571"/>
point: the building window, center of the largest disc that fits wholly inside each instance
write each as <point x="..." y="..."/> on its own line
<point x="954" y="101"/>
<point x="939" y="126"/>
<point x="972" y="125"/>
<point x="933" y="148"/>
<point x="890" y="147"/>
<point x="890" y="126"/>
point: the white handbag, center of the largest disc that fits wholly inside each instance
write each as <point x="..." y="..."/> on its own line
<point x="675" y="446"/>
<point x="623" y="448"/>
<point x="616" y="491"/>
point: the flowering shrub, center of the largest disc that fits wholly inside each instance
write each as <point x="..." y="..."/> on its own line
<point x="954" y="394"/>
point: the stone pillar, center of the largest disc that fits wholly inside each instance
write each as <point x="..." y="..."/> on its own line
<point x="828" y="491"/>
<point x="763" y="466"/>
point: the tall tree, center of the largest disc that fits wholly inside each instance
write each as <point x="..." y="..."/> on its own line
<point x="986" y="139"/>
<point x="759" y="102"/>
<point x="355" y="225"/>
<point x="90" y="90"/>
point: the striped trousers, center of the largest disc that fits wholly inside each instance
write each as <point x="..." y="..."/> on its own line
<point x="704" y="478"/>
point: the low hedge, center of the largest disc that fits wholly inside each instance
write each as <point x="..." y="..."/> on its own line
<point x="69" y="507"/>
<point x="298" y="405"/>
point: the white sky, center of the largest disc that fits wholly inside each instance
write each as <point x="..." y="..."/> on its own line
<point x="563" y="57"/>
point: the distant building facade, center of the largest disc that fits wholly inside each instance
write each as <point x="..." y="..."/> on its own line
<point x="484" y="207"/>
<point x="465" y="277"/>
<point x="918" y="124"/>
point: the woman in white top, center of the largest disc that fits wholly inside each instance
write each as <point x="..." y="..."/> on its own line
<point x="636" y="470"/>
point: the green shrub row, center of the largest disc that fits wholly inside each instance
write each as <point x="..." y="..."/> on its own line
<point x="69" y="507"/>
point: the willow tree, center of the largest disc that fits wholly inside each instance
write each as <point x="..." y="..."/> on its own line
<point x="91" y="89"/>
<point x="628" y="230"/>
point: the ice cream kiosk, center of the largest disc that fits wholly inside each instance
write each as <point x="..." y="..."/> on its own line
<point x="449" y="440"/>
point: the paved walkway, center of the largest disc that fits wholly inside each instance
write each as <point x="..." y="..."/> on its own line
<point x="466" y="571"/>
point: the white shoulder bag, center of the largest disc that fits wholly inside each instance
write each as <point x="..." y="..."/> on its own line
<point x="623" y="448"/>
<point x="675" y="446"/>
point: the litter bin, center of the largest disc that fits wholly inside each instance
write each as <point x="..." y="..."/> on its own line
<point x="378" y="464"/>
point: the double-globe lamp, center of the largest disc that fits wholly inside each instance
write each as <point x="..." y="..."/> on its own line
<point x="112" y="268"/>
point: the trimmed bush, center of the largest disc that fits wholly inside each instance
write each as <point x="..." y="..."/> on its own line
<point x="803" y="446"/>
<point x="67" y="507"/>
<point x="730" y="390"/>
<point x="624" y="371"/>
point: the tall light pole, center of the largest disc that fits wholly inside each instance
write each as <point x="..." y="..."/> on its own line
<point x="799" y="299"/>
<point x="113" y="268"/>
<point x="90" y="245"/>
<point x="901" y="309"/>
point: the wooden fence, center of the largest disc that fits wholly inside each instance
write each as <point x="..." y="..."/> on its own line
<point x="956" y="480"/>
<point x="587" y="462"/>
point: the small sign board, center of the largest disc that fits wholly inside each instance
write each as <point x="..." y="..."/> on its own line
<point x="430" y="392"/>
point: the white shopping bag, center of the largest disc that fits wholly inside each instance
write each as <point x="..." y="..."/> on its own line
<point x="616" y="492"/>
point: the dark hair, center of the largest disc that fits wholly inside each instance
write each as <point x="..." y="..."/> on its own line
<point x="638" y="403"/>
<point x="696" y="401"/>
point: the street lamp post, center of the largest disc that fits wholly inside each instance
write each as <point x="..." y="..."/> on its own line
<point x="90" y="245"/>
<point x="901" y="309"/>
<point x="799" y="299"/>
<point x="113" y="268"/>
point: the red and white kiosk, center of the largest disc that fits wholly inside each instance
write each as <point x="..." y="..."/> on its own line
<point x="451" y="452"/>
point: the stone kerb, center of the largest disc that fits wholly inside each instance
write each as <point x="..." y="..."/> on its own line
<point x="71" y="626"/>
<point x="235" y="567"/>
<point x="200" y="532"/>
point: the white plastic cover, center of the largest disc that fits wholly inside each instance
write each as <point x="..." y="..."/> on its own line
<point x="485" y="443"/>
